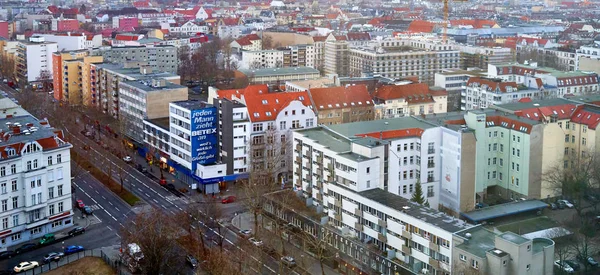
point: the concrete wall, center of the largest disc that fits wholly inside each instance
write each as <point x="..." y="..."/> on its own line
<point x="553" y="154"/>
<point x="157" y="102"/>
<point x="468" y="160"/>
<point x="589" y="64"/>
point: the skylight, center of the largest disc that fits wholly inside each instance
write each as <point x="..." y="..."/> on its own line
<point x="256" y="114"/>
<point x="268" y="113"/>
<point x="265" y="102"/>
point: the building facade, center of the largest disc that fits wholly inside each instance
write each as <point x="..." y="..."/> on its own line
<point x="34" y="59"/>
<point x="161" y="58"/>
<point x="455" y="83"/>
<point x="407" y="99"/>
<point x="344" y="104"/>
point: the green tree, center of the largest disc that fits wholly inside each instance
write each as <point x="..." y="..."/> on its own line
<point x="418" y="194"/>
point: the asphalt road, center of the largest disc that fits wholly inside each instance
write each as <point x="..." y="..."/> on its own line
<point x="111" y="216"/>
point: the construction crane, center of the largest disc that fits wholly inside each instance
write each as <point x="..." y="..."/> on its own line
<point x="445" y="22"/>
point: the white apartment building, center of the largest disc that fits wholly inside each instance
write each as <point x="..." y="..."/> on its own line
<point x="590" y="51"/>
<point x="262" y="59"/>
<point x="455" y="83"/>
<point x="485" y="92"/>
<point x="35" y="180"/>
<point x="259" y="129"/>
<point x="363" y="174"/>
<point x="564" y="83"/>
<point x="187" y="28"/>
<point x="34" y="58"/>
<point x="73" y="42"/>
<point x="186" y="141"/>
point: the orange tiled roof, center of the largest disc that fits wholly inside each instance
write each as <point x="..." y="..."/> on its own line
<point x="588" y="115"/>
<point x="266" y="106"/>
<point x="393" y="134"/>
<point x="492" y="84"/>
<point x="341" y="97"/>
<point x="421" y="26"/>
<point x="412" y="93"/>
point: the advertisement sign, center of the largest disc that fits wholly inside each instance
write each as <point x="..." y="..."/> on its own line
<point x="204" y="137"/>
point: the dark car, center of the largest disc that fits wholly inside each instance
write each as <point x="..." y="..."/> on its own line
<point x="191" y="261"/>
<point x="170" y="186"/>
<point x="552" y="206"/>
<point x="26" y="247"/>
<point x="53" y="257"/>
<point x="142" y="168"/>
<point x="589" y="261"/>
<point x="7" y="254"/>
<point x="73" y="249"/>
<point x="77" y="231"/>
<point x="87" y="210"/>
<point x="573" y="264"/>
<point x="561" y="205"/>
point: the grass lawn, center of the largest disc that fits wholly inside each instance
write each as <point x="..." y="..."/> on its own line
<point x="115" y="187"/>
<point x="528" y="226"/>
<point x="84" y="266"/>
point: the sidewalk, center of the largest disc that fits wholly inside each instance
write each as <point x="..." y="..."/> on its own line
<point x="245" y="220"/>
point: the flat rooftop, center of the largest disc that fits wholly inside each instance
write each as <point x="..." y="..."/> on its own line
<point x="134" y="72"/>
<point x="352" y="129"/>
<point x="503" y="210"/>
<point x="534" y="104"/>
<point x="279" y="71"/>
<point x="514" y="238"/>
<point x="162" y="122"/>
<point x="192" y="104"/>
<point x="147" y="85"/>
<point x="431" y="216"/>
<point x="328" y="139"/>
<point x="481" y="241"/>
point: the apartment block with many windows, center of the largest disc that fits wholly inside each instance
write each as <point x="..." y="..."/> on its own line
<point x="35" y="180"/>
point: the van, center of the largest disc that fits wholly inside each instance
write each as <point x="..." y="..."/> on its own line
<point x="47" y="239"/>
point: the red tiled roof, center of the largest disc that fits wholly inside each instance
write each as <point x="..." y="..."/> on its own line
<point x="319" y="38"/>
<point x="588" y="115"/>
<point x="531" y="41"/>
<point x="421" y="26"/>
<point x="509" y="123"/>
<point x="355" y="36"/>
<point x="251" y="89"/>
<point x="576" y="80"/>
<point x="476" y="23"/>
<point x="412" y="93"/>
<point x="538" y="113"/>
<point x="341" y="97"/>
<point x="127" y="37"/>
<point x="492" y="84"/>
<point x="247" y="40"/>
<point x="266" y="106"/>
<point x="392" y="134"/>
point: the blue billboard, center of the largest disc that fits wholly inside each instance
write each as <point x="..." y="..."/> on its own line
<point x="204" y="137"/>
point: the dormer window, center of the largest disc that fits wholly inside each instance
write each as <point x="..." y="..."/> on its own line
<point x="11" y="152"/>
<point x="265" y="102"/>
<point x="256" y="114"/>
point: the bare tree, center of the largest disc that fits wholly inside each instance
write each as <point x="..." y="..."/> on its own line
<point x="267" y="42"/>
<point x="318" y="245"/>
<point x="7" y="65"/>
<point x="45" y="79"/>
<point x="255" y="65"/>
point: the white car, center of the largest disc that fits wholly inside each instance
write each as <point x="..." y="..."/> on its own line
<point x="127" y="159"/>
<point x="567" y="203"/>
<point x="246" y="233"/>
<point x="563" y="266"/>
<point x="24" y="266"/>
<point x="256" y="242"/>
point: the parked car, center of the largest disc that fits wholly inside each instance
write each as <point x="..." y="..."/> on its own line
<point x="47" y="239"/>
<point x="162" y="181"/>
<point x="566" y="203"/>
<point x="228" y="199"/>
<point x="26" y="247"/>
<point x="255" y="241"/>
<point x="127" y="159"/>
<point x="80" y="204"/>
<point x="24" y="266"/>
<point x="589" y="261"/>
<point x="88" y="210"/>
<point x="170" y="186"/>
<point x="288" y="260"/>
<point x="573" y="264"/>
<point x="53" y="257"/>
<point x="269" y="250"/>
<point x="191" y="261"/>
<point x="142" y="168"/>
<point x="563" y="266"/>
<point x="7" y="254"/>
<point x="76" y="231"/>
<point x="73" y="249"/>
<point x="553" y="206"/>
<point x="561" y="205"/>
<point x="246" y="233"/>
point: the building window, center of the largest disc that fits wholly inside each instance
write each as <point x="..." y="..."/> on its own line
<point x="50" y="193"/>
<point x="15" y="237"/>
<point x="566" y="138"/>
<point x="49" y="160"/>
<point x="14" y="185"/>
<point x="58" y="158"/>
<point x="583" y="141"/>
<point x="430" y="148"/>
<point x="60" y="190"/>
<point x="15" y="220"/>
<point x="4" y="205"/>
<point x="60" y="207"/>
<point x="4" y="223"/>
<point x="28" y="166"/>
<point x="257" y="127"/>
<point x="475" y="264"/>
<point x="2" y="171"/>
<point x="310" y="122"/>
<point x="282" y="125"/>
<point x="403" y="189"/>
<point x="15" y="202"/>
<point x="3" y="187"/>
<point x="35" y="164"/>
<point x="51" y="209"/>
<point x="430" y="191"/>
<point x="59" y="174"/>
<point x="463" y="258"/>
<point x="528" y="266"/>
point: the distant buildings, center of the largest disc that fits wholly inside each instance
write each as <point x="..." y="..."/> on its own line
<point x="291" y="56"/>
<point x="455" y="83"/>
<point x="73" y="78"/>
<point x="34" y="59"/>
<point x="278" y="76"/>
<point x="409" y="99"/>
<point x="160" y="58"/>
<point x="344" y="104"/>
<point x="251" y="42"/>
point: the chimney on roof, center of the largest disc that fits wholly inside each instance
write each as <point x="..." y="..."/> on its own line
<point x="9" y="116"/>
<point x="16" y="130"/>
<point x="145" y="69"/>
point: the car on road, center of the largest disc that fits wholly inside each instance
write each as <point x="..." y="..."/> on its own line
<point x="246" y="233"/>
<point x="53" y="257"/>
<point x="26" y="247"/>
<point x="127" y="159"/>
<point x="255" y="241"/>
<point x="573" y="264"/>
<point x="561" y="265"/>
<point x="191" y="261"/>
<point x="80" y="204"/>
<point x="76" y="231"/>
<point x="589" y="261"/>
<point x="73" y="249"/>
<point x="288" y="260"/>
<point x="7" y="254"/>
<point x="47" y="239"/>
<point x="142" y="168"/>
<point x="162" y="181"/>
<point x="171" y="187"/>
<point x="87" y="210"/>
<point x="228" y="199"/>
<point x="566" y="203"/>
<point x="24" y="266"/>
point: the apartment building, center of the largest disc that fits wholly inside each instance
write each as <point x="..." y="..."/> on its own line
<point x="278" y="76"/>
<point x="35" y="180"/>
<point x="335" y="57"/>
<point x="64" y="25"/>
<point x="146" y="99"/>
<point x="343" y="104"/>
<point x="566" y="83"/>
<point x="162" y="58"/>
<point x="34" y="59"/>
<point x="185" y="142"/>
<point x="587" y="52"/>
<point x="108" y="76"/>
<point x="302" y="55"/>
<point x="400" y="58"/>
<point x="455" y="83"/>
<point x="262" y="59"/>
<point x="478" y="250"/>
<point x="73" y="79"/>
<point x="251" y="42"/>
<point x="319" y="45"/>
<point x="482" y="92"/>
<point x="265" y="134"/>
<point x="409" y="99"/>
<point x="480" y="57"/>
<point x="72" y="41"/>
<point x="362" y="176"/>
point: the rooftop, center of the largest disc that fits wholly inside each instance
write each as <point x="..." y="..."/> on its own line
<point x="503" y="210"/>
<point x="433" y="217"/>
<point x="147" y="86"/>
<point x="540" y="243"/>
<point x="351" y="130"/>
<point x="514" y="238"/>
<point x="29" y="129"/>
<point x="538" y="103"/>
<point x="192" y="104"/>
<point x="327" y="139"/>
<point x="279" y="71"/>
<point x="134" y="73"/>
<point x="480" y="241"/>
<point x="162" y="122"/>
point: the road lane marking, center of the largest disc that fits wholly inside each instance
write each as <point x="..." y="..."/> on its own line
<point x="103" y="197"/>
<point x="146" y="194"/>
<point x="96" y="217"/>
<point x="163" y="206"/>
<point x="109" y="228"/>
<point x="110" y="203"/>
<point x="155" y="200"/>
<point x="118" y="235"/>
<point x="116" y="208"/>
